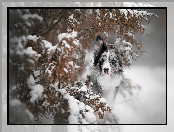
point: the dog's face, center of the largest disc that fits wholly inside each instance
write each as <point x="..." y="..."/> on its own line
<point x="110" y="63"/>
<point x="108" y="60"/>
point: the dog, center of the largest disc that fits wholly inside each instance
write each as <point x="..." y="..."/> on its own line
<point x="107" y="71"/>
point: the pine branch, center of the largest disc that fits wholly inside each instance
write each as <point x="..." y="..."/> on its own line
<point x="49" y="29"/>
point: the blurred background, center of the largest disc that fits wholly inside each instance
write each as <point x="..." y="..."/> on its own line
<point x="147" y="105"/>
<point x="155" y="42"/>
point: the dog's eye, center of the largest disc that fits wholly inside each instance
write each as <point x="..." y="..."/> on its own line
<point x="102" y="60"/>
<point x="113" y="62"/>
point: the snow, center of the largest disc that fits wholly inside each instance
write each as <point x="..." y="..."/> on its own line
<point x="18" y="45"/>
<point x="84" y="121"/>
<point x="29" y="16"/>
<point x="55" y="21"/>
<point x="30" y="61"/>
<point x="127" y="48"/>
<point x="134" y="12"/>
<point x="73" y="119"/>
<point x="45" y="103"/>
<point x="76" y="42"/>
<point x="47" y="44"/>
<point x="102" y="100"/>
<point x="65" y="70"/>
<point x="30" y="80"/>
<point x="52" y="48"/>
<point x="33" y="38"/>
<point x="29" y="51"/>
<point x="90" y="117"/>
<point x="81" y="105"/>
<point x="36" y="73"/>
<point x="66" y="44"/>
<point x="62" y="91"/>
<point x="18" y="106"/>
<point x="14" y="102"/>
<point x="107" y="82"/>
<point x="148" y="105"/>
<point x="72" y="35"/>
<point x="49" y="47"/>
<point x="71" y="17"/>
<point x="123" y="11"/>
<point x="61" y="36"/>
<point x="74" y="108"/>
<point x="98" y="12"/>
<point x="76" y="66"/>
<point x="127" y="43"/>
<point x="87" y="107"/>
<point x="70" y="63"/>
<point x="83" y="88"/>
<point x="36" y="92"/>
<point x="13" y="88"/>
<point x="49" y="72"/>
<point x="31" y="117"/>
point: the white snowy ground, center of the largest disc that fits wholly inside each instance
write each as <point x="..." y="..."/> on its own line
<point x="147" y="106"/>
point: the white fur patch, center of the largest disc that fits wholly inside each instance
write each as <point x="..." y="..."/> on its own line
<point x="108" y="85"/>
<point x="107" y="82"/>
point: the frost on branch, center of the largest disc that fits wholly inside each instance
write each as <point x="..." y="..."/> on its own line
<point x="59" y="62"/>
<point x="102" y="110"/>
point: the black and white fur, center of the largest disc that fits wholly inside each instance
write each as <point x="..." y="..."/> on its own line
<point x="107" y="71"/>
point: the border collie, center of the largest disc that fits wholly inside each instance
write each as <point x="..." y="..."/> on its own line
<point x="107" y="70"/>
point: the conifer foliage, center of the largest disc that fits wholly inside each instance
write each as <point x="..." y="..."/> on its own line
<point x="47" y="53"/>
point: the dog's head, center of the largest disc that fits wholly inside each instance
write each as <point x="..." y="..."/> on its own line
<point x="107" y="58"/>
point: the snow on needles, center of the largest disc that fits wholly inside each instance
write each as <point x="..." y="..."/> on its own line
<point x="134" y="12"/>
<point x="72" y="35"/>
<point x="36" y="90"/>
<point x="29" y="51"/>
<point x="74" y="107"/>
<point x="45" y="44"/>
<point x="49" y="46"/>
<point x="15" y="102"/>
<point x="66" y="44"/>
<point x="34" y="38"/>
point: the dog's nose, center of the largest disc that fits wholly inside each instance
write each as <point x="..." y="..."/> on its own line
<point x="106" y="70"/>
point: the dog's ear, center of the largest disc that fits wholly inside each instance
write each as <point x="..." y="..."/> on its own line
<point x="98" y="38"/>
<point x="118" y="44"/>
<point x="99" y="48"/>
